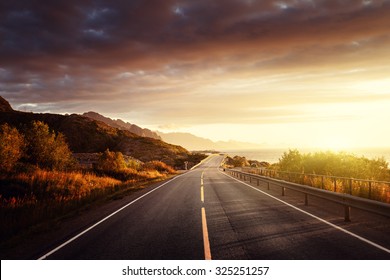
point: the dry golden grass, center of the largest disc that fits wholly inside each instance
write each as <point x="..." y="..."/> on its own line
<point x="375" y="190"/>
<point x="63" y="185"/>
<point x="39" y="196"/>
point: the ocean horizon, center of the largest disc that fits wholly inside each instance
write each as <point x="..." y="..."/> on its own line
<point x="272" y="155"/>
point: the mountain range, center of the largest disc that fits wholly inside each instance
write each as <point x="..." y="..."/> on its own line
<point x="195" y="143"/>
<point x="144" y="132"/>
<point x="93" y="132"/>
<point x="187" y="140"/>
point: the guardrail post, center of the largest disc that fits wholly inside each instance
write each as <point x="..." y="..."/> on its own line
<point x="350" y="186"/>
<point x="340" y="184"/>
<point x="369" y="189"/>
<point x="322" y="182"/>
<point x="347" y="213"/>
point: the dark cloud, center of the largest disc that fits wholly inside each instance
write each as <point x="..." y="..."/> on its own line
<point x="91" y="28"/>
<point x="63" y="51"/>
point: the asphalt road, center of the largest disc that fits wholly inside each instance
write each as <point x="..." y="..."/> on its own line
<point x="204" y="213"/>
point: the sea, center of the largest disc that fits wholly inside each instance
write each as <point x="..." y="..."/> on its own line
<point x="272" y="155"/>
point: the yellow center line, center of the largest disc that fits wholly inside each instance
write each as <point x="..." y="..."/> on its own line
<point x="206" y="243"/>
<point x="201" y="188"/>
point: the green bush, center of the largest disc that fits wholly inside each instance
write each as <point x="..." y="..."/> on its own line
<point x="335" y="164"/>
<point x="291" y="161"/>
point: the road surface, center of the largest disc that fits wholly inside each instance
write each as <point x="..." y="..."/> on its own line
<point x="206" y="214"/>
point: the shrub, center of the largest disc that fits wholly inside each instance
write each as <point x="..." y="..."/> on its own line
<point x="291" y="161"/>
<point x="133" y="163"/>
<point x="111" y="161"/>
<point x="46" y="149"/>
<point x="12" y="146"/>
<point x="335" y="164"/>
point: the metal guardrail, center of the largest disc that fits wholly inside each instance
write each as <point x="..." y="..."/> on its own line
<point x="375" y="190"/>
<point x="346" y="200"/>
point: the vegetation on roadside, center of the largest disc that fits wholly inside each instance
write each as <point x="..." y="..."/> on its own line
<point x="339" y="172"/>
<point x="12" y="146"/>
<point x="340" y="164"/>
<point x="40" y="179"/>
<point x="53" y="165"/>
<point x="328" y="163"/>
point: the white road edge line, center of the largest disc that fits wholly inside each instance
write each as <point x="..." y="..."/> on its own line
<point x="315" y="217"/>
<point x="102" y="220"/>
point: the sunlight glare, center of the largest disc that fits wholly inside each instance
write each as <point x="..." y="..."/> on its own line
<point x="334" y="143"/>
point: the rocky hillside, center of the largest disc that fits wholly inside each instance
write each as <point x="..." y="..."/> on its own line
<point x="123" y="125"/>
<point x="4" y="105"/>
<point x="86" y="135"/>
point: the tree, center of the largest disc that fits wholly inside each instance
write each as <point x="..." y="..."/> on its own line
<point x="378" y="169"/>
<point x="47" y="149"/>
<point x="291" y="161"/>
<point x="340" y="164"/>
<point x="111" y="161"/>
<point x="12" y="146"/>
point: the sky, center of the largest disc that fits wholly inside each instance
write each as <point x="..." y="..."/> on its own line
<point x="293" y="73"/>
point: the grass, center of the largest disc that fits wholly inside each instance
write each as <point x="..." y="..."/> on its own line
<point x="338" y="172"/>
<point x="38" y="197"/>
<point x="375" y="190"/>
